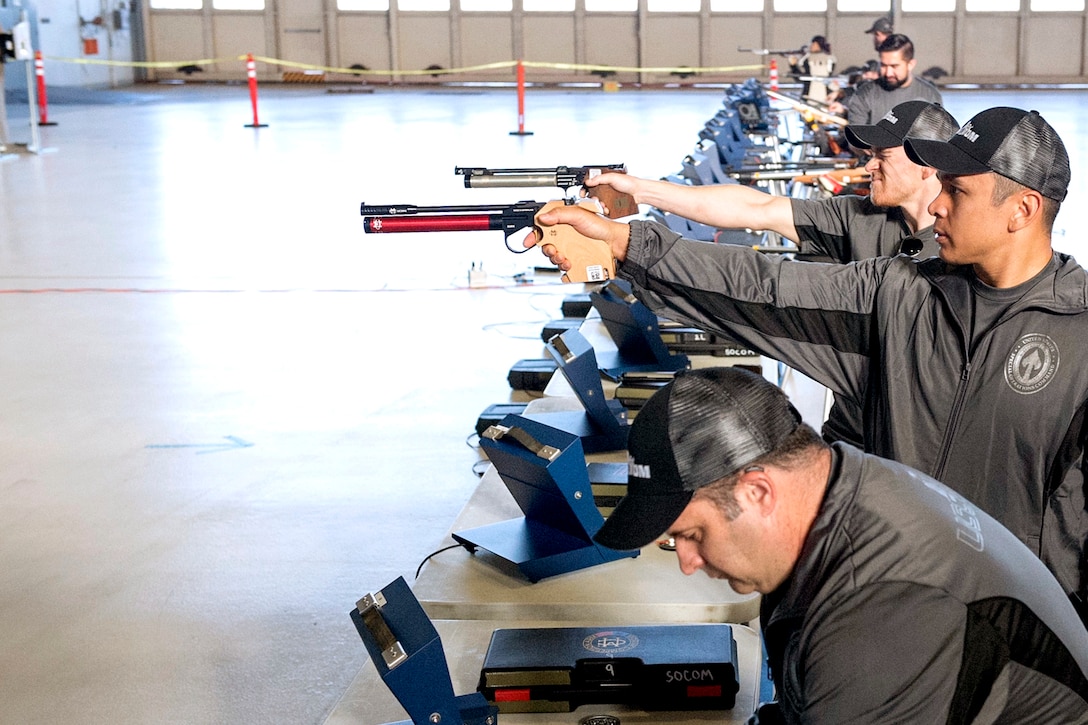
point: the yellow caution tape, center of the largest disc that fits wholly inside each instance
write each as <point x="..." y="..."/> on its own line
<point x="632" y="69"/>
<point x="424" y="72"/>
<point x="139" y="63"/>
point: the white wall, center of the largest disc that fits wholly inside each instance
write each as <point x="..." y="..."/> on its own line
<point x="59" y="35"/>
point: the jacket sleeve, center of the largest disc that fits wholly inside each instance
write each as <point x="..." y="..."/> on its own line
<point x="814" y="317"/>
<point x="822" y="228"/>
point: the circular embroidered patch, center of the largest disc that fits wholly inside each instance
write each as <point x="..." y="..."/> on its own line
<point x="610" y="642"/>
<point x="1031" y="364"/>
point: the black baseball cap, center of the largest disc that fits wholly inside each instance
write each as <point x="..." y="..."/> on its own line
<point x="883" y="24"/>
<point x="703" y="426"/>
<point x="917" y="119"/>
<point x="1011" y="142"/>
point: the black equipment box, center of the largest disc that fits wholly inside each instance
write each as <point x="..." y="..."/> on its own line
<point x="576" y="305"/>
<point x="532" y="374"/>
<point x="651" y="667"/>
<point x="558" y="327"/>
<point x="493" y="415"/>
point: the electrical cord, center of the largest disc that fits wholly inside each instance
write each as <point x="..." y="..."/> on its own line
<point x="434" y="553"/>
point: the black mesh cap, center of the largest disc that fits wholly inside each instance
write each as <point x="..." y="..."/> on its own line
<point x="698" y="429"/>
<point x="883" y="24"/>
<point x="917" y="119"/>
<point x="1016" y="144"/>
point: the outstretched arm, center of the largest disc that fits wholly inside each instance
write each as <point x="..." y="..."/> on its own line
<point x="726" y="206"/>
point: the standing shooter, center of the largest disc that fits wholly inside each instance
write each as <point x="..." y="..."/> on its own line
<point x="893" y="219"/>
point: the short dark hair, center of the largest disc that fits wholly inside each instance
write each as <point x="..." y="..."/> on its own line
<point x="899" y="42"/>
<point x="1004" y="187"/>
<point x="822" y="42"/>
<point x="793" y="453"/>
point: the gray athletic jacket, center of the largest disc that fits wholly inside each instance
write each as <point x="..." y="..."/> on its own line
<point x="845" y="229"/>
<point x="1003" y="424"/>
<point x="910" y="605"/>
<point x="849" y="228"/>
<point x="871" y="102"/>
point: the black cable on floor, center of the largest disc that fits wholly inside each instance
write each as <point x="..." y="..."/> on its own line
<point x="434" y="553"/>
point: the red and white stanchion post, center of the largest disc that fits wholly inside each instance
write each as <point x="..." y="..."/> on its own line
<point x="774" y="74"/>
<point x="251" y="73"/>
<point x="43" y="101"/>
<point x="521" y="103"/>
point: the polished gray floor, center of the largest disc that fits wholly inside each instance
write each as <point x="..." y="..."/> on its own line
<point x="226" y="413"/>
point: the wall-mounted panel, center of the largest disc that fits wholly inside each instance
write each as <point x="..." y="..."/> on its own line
<point x="613" y="40"/>
<point x="727" y="35"/>
<point x="1050" y="44"/>
<point x="363" y="39"/>
<point x="672" y="41"/>
<point x="851" y="45"/>
<point x="548" y="38"/>
<point x="302" y="33"/>
<point x="175" y="37"/>
<point x="423" y="40"/>
<point x="933" y="37"/>
<point x="235" y="35"/>
<point x="487" y="38"/>
<point x="990" y="45"/>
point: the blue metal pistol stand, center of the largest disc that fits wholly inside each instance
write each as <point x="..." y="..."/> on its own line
<point x="545" y="470"/>
<point x="408" y="654"/>
<point x="636" y="332"/>
<point x="603" y="425"/>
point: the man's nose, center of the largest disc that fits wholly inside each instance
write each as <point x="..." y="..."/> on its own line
<point x="688" y="558"/>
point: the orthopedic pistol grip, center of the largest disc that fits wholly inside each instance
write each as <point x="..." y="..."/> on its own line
<point x="590" y="259"/>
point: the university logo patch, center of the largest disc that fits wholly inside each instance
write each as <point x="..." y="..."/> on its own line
<point x="1032" y="363"/>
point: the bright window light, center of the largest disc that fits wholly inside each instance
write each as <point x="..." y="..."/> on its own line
<point x="880" y="7"/>
<point x="1049" y="5"/>
<point x="929" y="6"/>
<point x="800" y="6"/>
<point x="371" y="5"/>
<point x="989" y="6"/>
<point x="736" y="6"/>
<point x="548" y="6"/>
<point x="176" y="4"/>
<point x="238" y="4"/>
<point x="490" y="5"/>
<point x="411" y="5"/>
<point x="611" y="6"/>
<point x="674" y="6"/>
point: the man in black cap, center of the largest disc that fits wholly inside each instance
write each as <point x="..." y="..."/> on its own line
<point x="881" y="28"/>
<point x="967" y="364"/>
<point x="888" y="597"/>
<point x="892" y="219"/>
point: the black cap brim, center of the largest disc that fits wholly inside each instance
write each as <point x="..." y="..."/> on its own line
<point x="943" y="156"/>
<point x="639" y="520"/>
<point x="867" y="137"/>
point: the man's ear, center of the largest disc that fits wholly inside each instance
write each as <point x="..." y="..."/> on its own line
<point x="1028" y="208"/>
<point x="757" y="491"/>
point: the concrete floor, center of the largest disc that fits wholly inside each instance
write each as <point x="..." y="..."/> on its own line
<point x="225" y="413"/>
